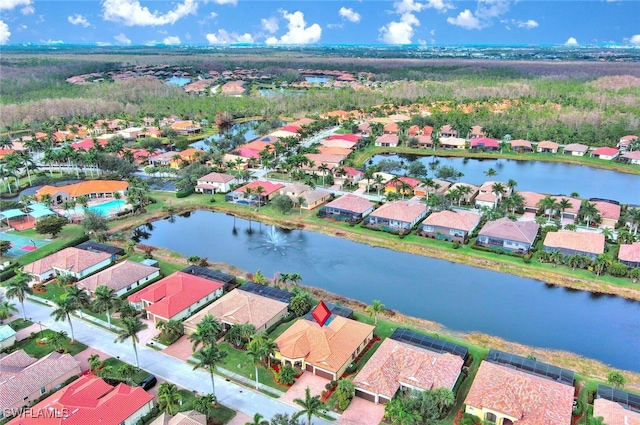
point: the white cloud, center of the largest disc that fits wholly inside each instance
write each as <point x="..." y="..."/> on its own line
<point x="399" y="32"/>
<point x="122" y="39"/>
<point x="4" y="33"/>
<point x="486" y="11"/>
<point x="528" y="24"/>
<point x="103" y="43"/>
<point x="270" y="24"/>
<point x="27" y="10"/>
<point x="50" y="41"/>
<point x="571" y="41"/>
<point x="78" y="20"/>
<point x="12" y="4"/>
<point x="349" y="14"/>
<point x="213" y="14"/>
<point x="635" y="40"/>
<point x="465" y="19"/>
<point x="225" y="37"/>
<point x="223" y="2"/>
<point x="299" y="32"/>
<point x="132" y="13"/>
<point x="439" y="5"/>
<point x="172" y="40"/>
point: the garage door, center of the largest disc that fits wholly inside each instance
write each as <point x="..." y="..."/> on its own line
<point x="309" y="367"/>
<point x="324" y="374"/>
<point x="366" y="396"/>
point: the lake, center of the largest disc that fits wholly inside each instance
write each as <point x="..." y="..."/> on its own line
<point x="538" y="176"/>
<point x="247" y="127"/>
<point x="460" y="297"/>
<point x="179" y="81"/>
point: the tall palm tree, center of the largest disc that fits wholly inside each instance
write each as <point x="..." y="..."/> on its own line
<point x="429" y="183"/>
<point x="455" y="195"/>
<point x="169" y="398"/>
<point x="270" y="348"/>
<point x="589" y="212"/>
<point x="549" y="206"/>
<point x="131" y="327"/>
<point x="6" y="310"/>
<point x="375" y="309"/>
<point x="106" y="301"/>
<point x="399" y="414"/>
<point x="78" y="297"/>
<point x="258" y="419"/>
<point x="311" y="406"/>
<point x="295" y="278"/>
<point x="209" y="357"/>
<point x="205" y="404"/>
<point x="632" y="219"/>
<point x="18" y="287"/>
<point x="207" y="331"/>
<point x="324" y="169"/>
<point x="563" y="205"/>
<point x="63" y="310"/>
<point x="378" y="181"/>
<point x="256" y="352"/>
<point x="259" y="191"/>
<point x="491" y="172"/>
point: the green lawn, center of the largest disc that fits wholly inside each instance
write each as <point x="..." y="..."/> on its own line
<point x="38" y="351"/>
<point x="166" y="268"/>
<point x="221" y="414"/>
<point x="19" y="324"/>
<point x="238" y="361"/>
<point x="69" y="232"/>
<point x="115" y="364"/>
<point x="279" y="330"/>
<point x="54" y="292"/>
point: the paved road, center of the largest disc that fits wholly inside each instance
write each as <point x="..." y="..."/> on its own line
<point x="230" y="394"/>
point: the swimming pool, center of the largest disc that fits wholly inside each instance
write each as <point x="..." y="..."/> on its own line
<point x="105" y="209"/>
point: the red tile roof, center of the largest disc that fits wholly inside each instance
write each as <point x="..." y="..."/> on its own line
<point x="463" y="220"/>
<point x="613" y="413"/>
<point x="175" y="293"/>
<point x="350" y="202"/>
<point x="529" y="399"/>
<point x="268" y="187"/>
<point x="354" y="138"/>
<point x="592" y="243"/>
<point x="606" y="151"/>
<point x="247" y="152"/>
<point x="630" y="252"/>
<point x="404" y="211"/>
<point x="632" y="155"/>
<point x="520" y="144"/>
<point x="608" y="210"/>
<point x="88" y="400"/>
<point x="485" y="141"/>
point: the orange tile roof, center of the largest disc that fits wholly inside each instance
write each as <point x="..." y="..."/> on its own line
<point x="118" y="276"/>
<point x="86" y="187"/>
<point x="334" y="150"/>
<point x="350" y="202"/>
<point x="613" y="413"/>
<point x="548" y="145"/>
<point x="328" y="159"/>
<point x="268" y="187"/>
<point x="257" y="145"/>
<point x="530" y="399"/>
<point x="328" y="347"/>
<point x="630" y="252"/>
<point x="338" y="143"/>
<point x="608" y="210"/>
<point x="592" y="243"/>
<point x="463" y="220"/>
<point x="72" y="259"/>
<point x="408" y="180"/>
<point x="188" y="153"/>
<point x="396" y="362"/>
<point x="405" y="211"/>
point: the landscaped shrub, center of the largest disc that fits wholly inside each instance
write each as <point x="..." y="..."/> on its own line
<point x="287" y="375"/>
<point x="469" y="419"/>
<point x="185" y="192"/>
<point x="456" y="245"/>
<point x="527" y="258"/>
<point x="618" y="270"/>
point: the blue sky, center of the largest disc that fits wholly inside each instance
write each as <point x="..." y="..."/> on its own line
<point x="214" y="22"/>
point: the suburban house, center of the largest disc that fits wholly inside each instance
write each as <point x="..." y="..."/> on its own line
<point x="576" y="149"/>
<point x="449" y="225"/>
<point x="385" y="177"/>
<point x="486" y="199"/>
<point x="469" y="197"/>
<point x="122" y="277"/>
<point x="24" y="379"/>
<point x="396" y="185"/>
<point x="616" y="406"/>
<point x="609" y="212"/>
<point x="521" y="146"/>
<point x="7" y="336"/>
<point x="424" y="141"/>
<point x="447" y="131"/>
<point x="187" y="156"/>
<point x="547" y="147"/>
<point x="338" y="143"/>
<point x="630" y="157"/>
<point x="247" y="194"/>
<point x="364" y="129"/>
<point x="476" y="132"/>
<point x="190" y="417"/>
<point x="313" y="198"/>
<point x="399" y="366"/>
<point x="240" y="307"/>
<point x="606" y="153"/>
<point x="163" y="159"/>
<point x="485" y="143"/>
<point x="570" y="243"/>
<point x="90" y="400"/>
<point x="325" y="351"/>
<point x="113" y="251"/>
<point x="397" y="216"/>
<point x="215" y="183"/>
<point x="531" y="200"/>
<point x="91" y="189"/>
<point x="348" y="207"/>
<point x="228" y="280"/>
<point x="439" y="186"/>
<point x="625" y="142"/>
<point x="186" y="127"/>
<point x="69" y="261"/>
<point x="334" y="150"/>
<point x="388" y="140"/>
<point x="390" y="128"/>
<point x="344" y="175"/>
<point x="175" y="297"/>
<point x="506" y="396"/>
<point x="331" y="161"/>
<point x="452" y="143"/>
<point x="629" y="254"/>
<point x="233" y="88"/>
<point x="507" y="235"/>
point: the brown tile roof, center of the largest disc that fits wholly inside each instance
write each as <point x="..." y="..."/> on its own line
<point x="576" y="147"/>
<point x="320" y="158"/>
<point x="529" y="399"/>
<point x="315" y="195"/>
<point x="396" y="362"/>
<point x="72" y="259"/>
<point x="531" y="200"/>
<point x="463" y="220"/>
<point x="216" y="178"/>
<point x="190" y="417"/>
<point x="629" y="252"/>
<point x="405" y="211"/>
<point x="333" y="150"/>
<point x="239" y="307"/>
<point x="548" y="145"/>
<point x="589" y="242"/>
<point x="520" y="144"/>
<point x="503" y="228"/>
<point x="118" y="276"/>
<point x="613" y="413"/>
<point x="388" y="138"/>
<point x="608" y="210"/>
<point x="22" y="375"/>
<point x="350" y="202"/>
<point x="329" y="347"/>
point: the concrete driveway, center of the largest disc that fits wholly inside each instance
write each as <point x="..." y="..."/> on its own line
<point x="361" y="411"/>
<point x="315" y="383"/>
<point x="181" y="349"/>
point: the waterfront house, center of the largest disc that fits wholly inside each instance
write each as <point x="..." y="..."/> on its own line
<point x="24" y="379"/>
<point x="215" y="183"/>
<point x="164" y="159"/>
<point x="507" y="235"/>
<point x="268" y="192"/>
<point x="399" y="366"/>
<point x="439" y="186"/>
<point x="240" y="307"/>
<point x="175" y="297"/>
<point x="452" y="143"/>
<point x="390" y="128"/>
<point x="7" y="336"/>
<point x="446" y="131"/>
<point x="424" y="141"/>
<point x="547" y="147"/>
<point x="397" y="216"/>
<point x="348" y="207"/>
<point x="364" y="129"/>
<point x="449" y="225"/>
<point x="113" y="251"/>
<point x="186" y="156"/>
<point x="388" y="140"/>
<point x="385" y="178"/>
<point x="326" y="350"/>
<point x="90" y="400"/>
<point x="625" y="142"/>
<point x="605" y="153"/>
<point x="486" y="199"/>
<point x="186" y="127"/>
<point x="630" y="157"/>
<point x="396" y="185"/>
<point x="69" y="261"/>
<point x="91" y="189"/>
<point x="476" y="132"/>
<point x="122" y="277"/>
<point x="576" y="149"/>
<point x="609" y="213"/>
<point x="344" y="175"/>
<point x="532" y="199"/>
<point x="616" y="406"/>
<point x="338" y="143"/>
<point x="570" y="243"/>
<point x="505" y="396"/>
<point x="485" y="143"/>
<point x="317" y="159"/>
<point x="630" y="254"/>
<point x="332" y="150"/>
<point x="313" y="198"/>
<point x="522" y="146"/>
<point x="469" y="197"/>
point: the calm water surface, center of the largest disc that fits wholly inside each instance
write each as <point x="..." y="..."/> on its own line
<point x="462" y="298"/>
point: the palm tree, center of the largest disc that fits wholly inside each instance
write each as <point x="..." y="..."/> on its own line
<point x="259" y="191"/>
<point x="589" y="212"/>
<point x="512" y="184"/>
<point x="429" y="183"/>
<point x="608" y="234"/>
<point x="556" y="257"/>
<point x="563" y="205"/>
<point x="209" y="357"/>
<point x="632" y="219"/>
<point x="78" y="297"/>
<point x="311" y="406"/>
<point x="6" y="310"/>
<point x="491" y="172"/>
<point x="170" y="330"/>
<point x="256" y="351"/>
<point x="324" y="169"/>
<point x="258" y="419"/>
<point x="57" y="339"/>
<point x="295" y="278"/>
<point x="374" y="309"/>
<point x="455" y="195"/>
<point x="378" y="181"/>
<point x="207" y="331"/>
<point x="18" y="287"/>
<point x="601" y="264"/>
<point x="205" y="404"/>
<point x="399" y="414"/>
<point x="131" y="327"/>
<point x="106" y="300"/>
<point x="549" y="206"/>
<point x="63" y="310"/>
<point x="300" y="200"/>
<point x="169" y="398"/>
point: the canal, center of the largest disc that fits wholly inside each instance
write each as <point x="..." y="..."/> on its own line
<point x="460" y="297"/>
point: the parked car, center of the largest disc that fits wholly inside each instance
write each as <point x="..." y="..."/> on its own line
<point x="148" y="382"/>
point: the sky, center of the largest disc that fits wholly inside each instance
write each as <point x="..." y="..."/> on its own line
<point x="320" y="22"/>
